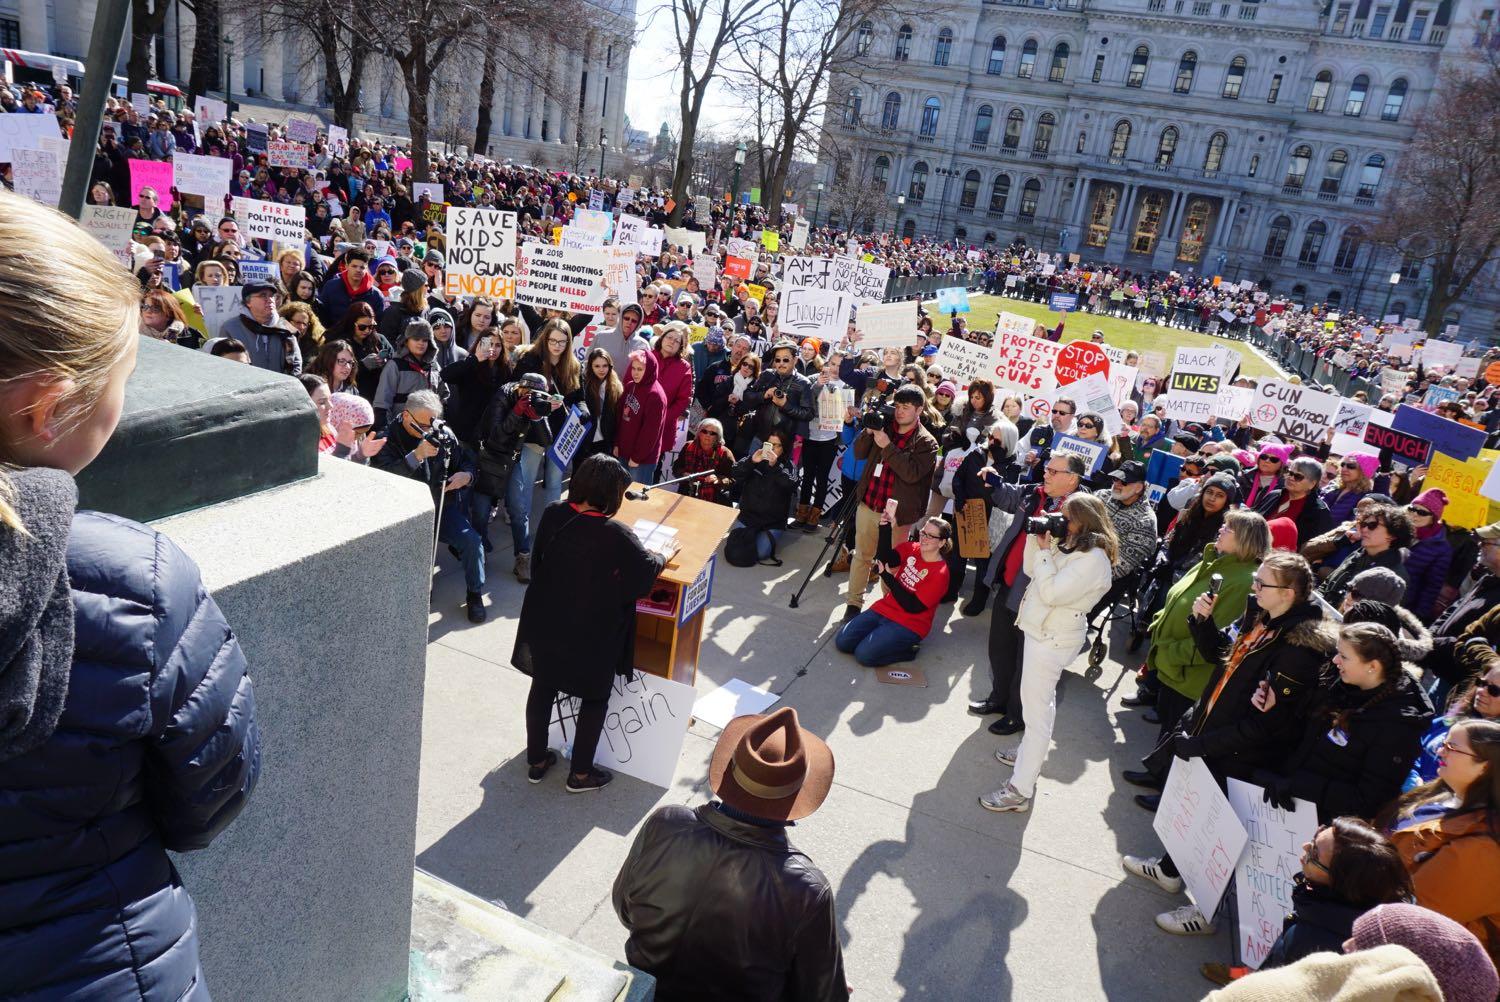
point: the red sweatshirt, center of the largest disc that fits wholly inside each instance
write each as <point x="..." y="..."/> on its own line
<point x="927" y="581"/>
<point x="642" y="411"/>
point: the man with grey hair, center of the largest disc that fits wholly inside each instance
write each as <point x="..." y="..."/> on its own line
<point x="419" y="446"/>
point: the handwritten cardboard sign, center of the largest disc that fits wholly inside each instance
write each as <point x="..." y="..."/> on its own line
<point x="1023" y="363"/>
<point x="274" y="221"/>
<point x="887" y="325"/>
<point x="644" y="726"/>
<point x="561" y="278"/>
<point x="964" y="362"/>
<point x="1198" y="827"/>
<point x="1193" y="390"/>
<point x="481" y="253"/>
<point x="1293" y="411"/>
<point x="1263" y="880"/>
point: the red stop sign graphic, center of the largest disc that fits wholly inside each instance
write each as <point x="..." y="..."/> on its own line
<point x="1079" y="360"/>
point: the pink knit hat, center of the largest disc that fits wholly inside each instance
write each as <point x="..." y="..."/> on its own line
<point x="351" y="408"/>
<point x="1433" y="499"/>
<point x="1245" y="458"/>
<point x="1367" y="463"/>
<point x="1281" y="452"/>
<point x="1457" y="961"/>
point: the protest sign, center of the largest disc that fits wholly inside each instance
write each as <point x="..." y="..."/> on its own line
<point x="887" y="325"/>
<point x="209" y="111"/>
<point x="702" y="208"/>
<point x="963" y="362"/>
<point x="1410" y="450"/>
<point x="284" y="153"/>
<point x="111" y="226"/>
<point x="596" y="199"/>
<point x="1351" y="418"/>
<point x="1234" y="402"/>
<point x="770" y="240"/>
<point x="1062" y="302"/>
<point x="1079" y="359"/>
<point x="338" y="139"/>
<point x="1092" y="452"/>
<point x="1121" y="383"/>
<point x="1199" y="830"/>
<point x="1023" y="363"/>
<point x="432" y="189"/>
<point x="737" y="268"/>
<point x="141" y="103"/>
<point x="36" y="174"/>
<point x="574" y="433"/>
<point x="274" y="221"/>
<point x="799" y="234"/>
<point x="218" y="303"/>
<point x="481" y="253"/>
<point x="1491" y="486"/>
<point x="1153" y="363"/>
<point x="21" y="131"/>
<point x="634" y="232"/>
<point x="1161" y="469"/>
<point x="1462" y="481"/>
<point x="260" y="271"/>
<point x="1441" y="353"/>
<point x="829" y="273"/>
<point x="809" y="312"/>
<point x="206" y="176"/>
<point x="560" y="278"/>
<point x="572" y="236"/>
<point x="973" y="530"/>
<point x="691" y="241"/>
<point x="644" y="726"/>
<point x="1294" y="411"/>
<point x="870" y="281"/>
<point x="402" y="164"/>
<point x="300" y="130"/>
<point x="619" y="274"/>
<point x="1467" y="368"/>
<point x="954" y="299"/>
<point x="595" y="219"/>
<point x="1438" y="395"/>
<point x="1094" y="393"/>
<point x="1014" y="323"/>
<point x="740" y="247"/>
<point x="1263" y="880"/>
<point x="1193" y="390"/>
<point x="155" y="174"/>
<point x="1449" y="437"/>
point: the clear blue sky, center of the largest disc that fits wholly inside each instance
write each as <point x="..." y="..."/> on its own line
<point x="652" y="95"/>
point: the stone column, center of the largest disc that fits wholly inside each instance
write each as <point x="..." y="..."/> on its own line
<point x="36" y="29"/>
<point x="273" y="59"/>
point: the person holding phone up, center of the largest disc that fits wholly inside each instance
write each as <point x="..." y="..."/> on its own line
<point x="915" y="575"/>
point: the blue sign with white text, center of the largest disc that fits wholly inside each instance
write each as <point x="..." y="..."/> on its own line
<point x="1063" y="302"/>
<point x="1448" y="437"/>
<point x="953" y="300"/>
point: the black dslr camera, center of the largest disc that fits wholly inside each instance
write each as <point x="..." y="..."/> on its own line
<point x="1054" y="525"/>
<point x="878" y="416"/>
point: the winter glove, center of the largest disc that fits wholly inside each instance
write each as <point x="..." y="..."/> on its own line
<point x="524" y="409"/>
<point x="1187" y="747"/>
<point x="1279" y="793"/>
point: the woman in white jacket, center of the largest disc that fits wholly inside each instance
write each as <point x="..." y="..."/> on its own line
<point x="1068" y="577"/>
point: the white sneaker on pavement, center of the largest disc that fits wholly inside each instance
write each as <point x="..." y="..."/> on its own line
<point x="1007" y="756"/>
<point x="1149" y="868"/>
<point x="1185" y="921"/>
<point x="1005" y="800"/>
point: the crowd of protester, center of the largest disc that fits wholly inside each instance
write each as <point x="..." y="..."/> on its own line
<point x="1310" y="622"/>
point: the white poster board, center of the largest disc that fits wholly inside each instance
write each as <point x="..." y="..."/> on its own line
<point x="274" y="221"/>
<point x="481" y="253"/>
<point x="1234" y="402"/>
<point x="1193" y="390"/>
<point x="218" y="303"/>
<point x="1290" y="410"/>
<point x="1024" y="364"/>
<point x="36" y="174"/>
<point x="432" y="189"/>
<point x="887" y="325"/>
<point x="111" y="226"/>
<point x="870" y="281"/>
<point x="20" y="131"/>
<point x="644" y="727"/>
<point x="819" y="313"/>
<point x="1272" y="857"/>
<point x="561" y="278"/>
<point x="1094" y="393"/>
<point x="963" y="362"/>
<point x="1198" y="829"/>
<point x="800" y="231"/>
<point x="206" y="176"/>
<point x="692" y="241"/>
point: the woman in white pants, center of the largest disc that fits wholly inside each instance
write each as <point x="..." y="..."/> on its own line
<point x="1069" y="575"/>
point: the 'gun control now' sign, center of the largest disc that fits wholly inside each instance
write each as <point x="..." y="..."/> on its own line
<point x="1293" y="411"/>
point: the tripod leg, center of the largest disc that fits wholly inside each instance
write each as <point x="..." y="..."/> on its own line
<point x="835" y="535"/>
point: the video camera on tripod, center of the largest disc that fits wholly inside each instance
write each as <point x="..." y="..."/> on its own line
<point x="439" y="434"/>
<point x="879" y="413"/>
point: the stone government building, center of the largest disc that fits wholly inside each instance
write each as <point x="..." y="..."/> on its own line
<point x="1254" y="140"/>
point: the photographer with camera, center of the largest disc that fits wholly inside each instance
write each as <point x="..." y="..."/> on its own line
<point x="1039" y="440"/>
<point x="915" y="575"/>
<point x="1068" y="556"/>
<point x="780" y="397"/>
<point x="420" y="446"/>
<point x="901" y="459"/>
<point x="515" y="419"/>
<point x="1062" y="475"/>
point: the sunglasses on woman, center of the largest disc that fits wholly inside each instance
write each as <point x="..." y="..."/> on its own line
<point x="1371" y="523"/>
<point x="364" y="327"/>
<point x="1295" y="476"/>
<point x="1491" y="688"/>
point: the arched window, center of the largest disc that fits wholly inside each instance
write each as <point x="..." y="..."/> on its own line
<point x="1333" y="173"/>
<point x="1312" y="243"/>
<point x="1354" y="106"/>
<point x="932" y="109"/>
<point x="1296" y="167"/>
<point x="1031" y="192"/>
<point x="1334" y="297"/>
<point x="1148" y="222"/>
<point x="982" y="123"/>
<point x="1317" y="98"/>
<point x="1102" y="214"/>
<point x="970" y="195"/>
<point x="1166" y="149"/>
<point x="1028" y="60"/>
<point x="890" y="114"/>
<point x="918" y="182"/>
<point x="1234" y="80"/>
<point x="1213" y="160"/>
<point x="864" y="37"/>
<point x="1281" y="229"/>
<point x="1121" y="141"/>
<point x="909" y="229"/>
<point x="1187" y="66"/>
<point x="943" y="49"/>
<point x="1394" y="99"/>
<point x="881" y="173"/>
<point x="999" y="193"/>
<point x="903" y="44"/>
<point x="1348" y="249"/>
<point x="1013" y="123"/>
<point x="1059" y="68"/>
<point x="1299" y="293"/>
<point x="996" y="64"/>
<point x="852" y="108"/>
<point x="1369" y="177"/>
<point x="1136" y="77"/>
<point x="1042" y="141"/>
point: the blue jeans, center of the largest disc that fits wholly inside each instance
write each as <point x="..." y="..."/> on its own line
<point x="876" y="641"/>
<point x="765" y="541"/>
<point x="457" y="532"/>
<point x="643" y="474"/>
<point x="480" y="506"/>
<point x="518" y="494"/>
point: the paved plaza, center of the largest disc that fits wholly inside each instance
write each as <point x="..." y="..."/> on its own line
<point x="937" y="898"/>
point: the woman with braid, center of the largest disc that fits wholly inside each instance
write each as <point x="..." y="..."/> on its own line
<point x="1363" y="732"/>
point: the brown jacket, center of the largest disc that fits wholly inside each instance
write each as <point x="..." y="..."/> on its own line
<point x="1454" y="862"/>
<point x="911" y="466"/>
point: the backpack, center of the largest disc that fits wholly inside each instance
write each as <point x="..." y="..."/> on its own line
<point x="739" y="548"/>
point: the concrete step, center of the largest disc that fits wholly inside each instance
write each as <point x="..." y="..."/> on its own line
<point x="466" y="948"/>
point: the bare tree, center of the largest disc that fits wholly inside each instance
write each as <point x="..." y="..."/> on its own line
<point x="203" y="76"/>
<point x="483" y="123"/>
<point x="1445" y="203"/>
<point x="146" y="20"/>
<point x="704" y="31"/>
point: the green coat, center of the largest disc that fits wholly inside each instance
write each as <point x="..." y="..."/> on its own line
<point x="1173" y="656"/>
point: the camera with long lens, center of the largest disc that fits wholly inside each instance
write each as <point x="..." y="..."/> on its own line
<point x="878" y="416"/>
<point x="1054" y="525"/>
<point x="542" y="400"/>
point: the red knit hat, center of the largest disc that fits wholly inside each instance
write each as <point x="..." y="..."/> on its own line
<point x="1283" y="534"/>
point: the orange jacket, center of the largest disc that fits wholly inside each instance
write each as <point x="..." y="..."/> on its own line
<point x="1454" y="864"/>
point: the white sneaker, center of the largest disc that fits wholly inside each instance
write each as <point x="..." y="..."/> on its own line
<point x="1007" y="756"/>
<point x="1005" y="800"/>
<point x="1149" y="868"/>
<point x="1185" y="921"/>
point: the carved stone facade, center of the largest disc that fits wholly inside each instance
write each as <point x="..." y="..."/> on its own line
<point x="1254" y="140"/>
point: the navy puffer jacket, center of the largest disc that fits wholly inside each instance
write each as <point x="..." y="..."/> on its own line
<point x="156" y="749"/>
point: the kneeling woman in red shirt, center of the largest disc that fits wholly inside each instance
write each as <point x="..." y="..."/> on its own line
<point x="916" y="579"/>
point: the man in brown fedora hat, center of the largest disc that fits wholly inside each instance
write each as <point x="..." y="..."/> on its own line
<point x="718" y="903"/>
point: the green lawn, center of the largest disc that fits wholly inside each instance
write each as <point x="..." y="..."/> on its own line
<point x="1125" y="334"/>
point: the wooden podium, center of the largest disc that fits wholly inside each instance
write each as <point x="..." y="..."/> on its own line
<point x="669" y="621"/>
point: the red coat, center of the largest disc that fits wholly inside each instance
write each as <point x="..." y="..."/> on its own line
<point x="642" y="412"/>
<point x="675" y="377"/>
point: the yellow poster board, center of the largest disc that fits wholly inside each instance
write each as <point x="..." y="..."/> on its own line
<point x="1467" y="508"/>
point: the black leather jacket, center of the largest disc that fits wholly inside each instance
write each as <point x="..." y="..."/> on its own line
<point x="722" y="909"/>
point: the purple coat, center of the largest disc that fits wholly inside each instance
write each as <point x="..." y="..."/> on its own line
<point x="1427" y="565"/>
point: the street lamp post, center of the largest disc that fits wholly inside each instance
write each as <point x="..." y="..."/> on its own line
<point x="896" y="224"/>
<point x="603" y="148"/>
<point x="818" y="204"/>
<point x="1395" y="281"/>
<point x="228" y="61"/>
<point x="739" y="161"/>
<point x="945" y="173"/>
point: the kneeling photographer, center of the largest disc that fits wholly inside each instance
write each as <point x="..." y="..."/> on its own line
<point x="765" y="484"/>
<point x="901" y="458"/>
<point x="915" y="575"/>
<point x="420" y="446"/>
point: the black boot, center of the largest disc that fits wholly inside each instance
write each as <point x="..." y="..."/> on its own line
<point x="475" y="604"/>
<point x="975" y="605"/>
